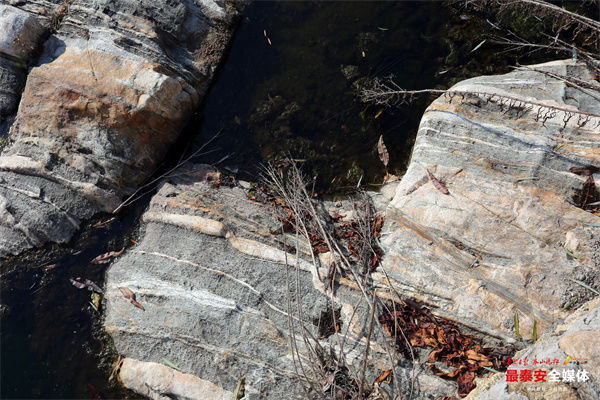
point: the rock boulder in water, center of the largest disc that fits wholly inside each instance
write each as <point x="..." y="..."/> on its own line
<point x="109" y="94"/>
<point x="496" y="244"/>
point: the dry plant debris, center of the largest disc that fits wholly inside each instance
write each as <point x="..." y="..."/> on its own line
<point x="129" y="295"/>
<point x="450" y="347"/>
<point x="105" y="258"/>
<point x="116" y="367"/>
<point x="359" y="235"/>
<point x="102" y="224"/>
<point x="81" y="283"/>
<point x="361" y="241"/>
<point x="384" y="156"/>
<point x="437" y="183"/>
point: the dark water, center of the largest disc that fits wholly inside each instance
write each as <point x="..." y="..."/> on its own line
<point x="52" y="342"/>
<point x="290" y="83"/>
<point x="287" y="97"/>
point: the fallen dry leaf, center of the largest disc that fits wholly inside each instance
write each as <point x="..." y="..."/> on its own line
<point x="50" y="267"/>
<point x="482" y="360"/>
<point x="434" y="355"/>
<point x="437" y="183"/>
<point x="452" y="374"/>
<point x="587" y="170"/>
<point x="385" y="376"/>
<point x="138" y="305"/>
<point x="105" y="258"/>
<point x="466" y="383"/>
<point x="81" y="283"/>
<point x="128" y="294"/>
<point x="384" y="156"/>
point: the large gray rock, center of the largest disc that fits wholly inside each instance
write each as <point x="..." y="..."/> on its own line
<point x="497" y="245"/>
<point x="213" y="283"/>
<point x="111" y="91"/>
<point x="20" y="37"/>
<point x="510" y="204"/>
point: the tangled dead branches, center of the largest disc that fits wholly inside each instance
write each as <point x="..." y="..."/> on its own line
<point x="410" y="326"/>
<point x="353" y="248"/>
<point x="390" y="94"/>
<point x="560" y="18"/>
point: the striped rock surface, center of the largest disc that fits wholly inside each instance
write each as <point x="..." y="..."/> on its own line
<point x="496" y="244"/>
<point x="213" y="282"/>
<point x="111" y="90"/>
<point x="575" y="344"/>
<point x="499" y="243"/>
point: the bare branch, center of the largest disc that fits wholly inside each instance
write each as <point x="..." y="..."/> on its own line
<point x="561" y="18"/>
<point x="331" y="373"/>
<point x="390" y="93"/>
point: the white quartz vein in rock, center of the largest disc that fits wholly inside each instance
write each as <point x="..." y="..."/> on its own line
<point x="156" y="287"/>
<point x="239" y="281"/>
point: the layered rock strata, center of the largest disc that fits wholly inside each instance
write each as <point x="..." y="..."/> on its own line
<point x="499" y="243"/>
<point x="221" y="294"/>
<point x="110" y="92"/>
<point x="212" y="276"/>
